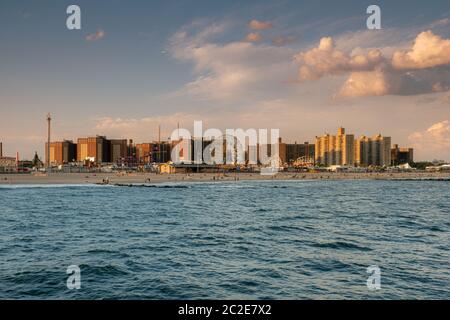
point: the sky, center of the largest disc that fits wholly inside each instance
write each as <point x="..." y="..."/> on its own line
<point x="304" y="67"/>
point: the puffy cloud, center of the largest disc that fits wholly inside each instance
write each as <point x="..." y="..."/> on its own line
<point x="385" y="80"/>
<point x="429" y="50"/>
<point x="368" y="83"/>
<point x="419" y="70"/>
<point x="253" y="37"/>
<point x="438" y="135"/>
<point x="326" y="59"/>
<point x="259" y="25"/>
<point x="235" y="70"/>
<point x="434" y="141"/>
<point x="99" y="34"/>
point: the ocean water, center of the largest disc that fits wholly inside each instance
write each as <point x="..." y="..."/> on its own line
<point x="238" y="240"/>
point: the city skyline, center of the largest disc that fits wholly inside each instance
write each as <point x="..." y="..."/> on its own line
<point x="342" y="149"/>
<point x="231" y="65"/>
<point x="354" y="138"/>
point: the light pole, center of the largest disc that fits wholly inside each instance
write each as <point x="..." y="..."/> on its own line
<point x="49" y="120"/>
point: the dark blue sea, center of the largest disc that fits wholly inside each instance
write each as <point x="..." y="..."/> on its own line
<point x="237" y="240"/>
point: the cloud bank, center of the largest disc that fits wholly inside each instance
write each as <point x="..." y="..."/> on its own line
<point x="421" y="69"/>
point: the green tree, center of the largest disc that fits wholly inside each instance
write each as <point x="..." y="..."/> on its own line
<point x="421" y="165"/>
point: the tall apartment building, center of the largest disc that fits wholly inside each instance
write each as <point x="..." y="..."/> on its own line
<point x="61" y="152"/>
<point x="335" y="150"/>
<point x="401" y="155"/>
<point x="375" y="151"/>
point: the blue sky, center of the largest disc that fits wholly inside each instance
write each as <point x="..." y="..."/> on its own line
<point x="178" y="61"/>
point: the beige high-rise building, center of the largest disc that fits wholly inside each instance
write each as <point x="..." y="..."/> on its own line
<point x="375" y="151"/>
<point x="335" y="150"/>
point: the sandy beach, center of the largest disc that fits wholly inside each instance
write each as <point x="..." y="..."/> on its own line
<point x="141" y="178"/>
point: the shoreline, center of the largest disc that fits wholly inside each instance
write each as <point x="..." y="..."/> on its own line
<point x="150" y="178"/>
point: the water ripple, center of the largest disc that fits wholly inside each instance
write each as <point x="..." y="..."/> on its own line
<point x="226" y="240"/>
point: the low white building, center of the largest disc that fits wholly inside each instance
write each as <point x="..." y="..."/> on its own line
<point x="444" y="167"/>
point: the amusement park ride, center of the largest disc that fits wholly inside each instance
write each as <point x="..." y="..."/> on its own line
<point x="304" y="162"/>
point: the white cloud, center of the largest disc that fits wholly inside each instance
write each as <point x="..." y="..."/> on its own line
<point x="327" y="60"/>
<point x="421" y="69"/>
<point x="368" y="83"/>
<point x="247" y="70"/>
<point x="434" y="142"/>
<point x="239" y="70"/>
<point x="387" y="41"/>
<point x="385" y="80"/>
<point x="429" y="50"/>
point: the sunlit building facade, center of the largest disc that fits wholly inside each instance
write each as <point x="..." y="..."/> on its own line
<point x="373" y="151"/>
<point x="61" y="152"/>
<point x="335" y="150"/>
<point x="93" y="149"/>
